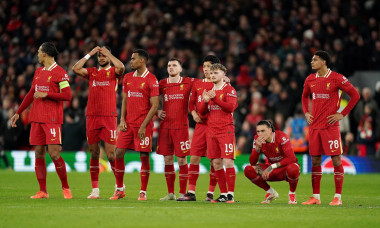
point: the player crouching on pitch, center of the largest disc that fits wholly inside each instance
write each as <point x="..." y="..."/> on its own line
<point x="276" y="146"/>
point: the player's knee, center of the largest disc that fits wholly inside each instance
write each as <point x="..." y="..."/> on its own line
<point x="250" y="172"/>
<point x="293" y="171"/>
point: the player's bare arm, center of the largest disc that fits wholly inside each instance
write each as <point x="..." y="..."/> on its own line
<point x="78" y="67"/>
<point x="259" y="170"/>
<point x="123" y="124"/>
<point x="154" y="101"/>
<point x="14" y="118"/>
<point x="267" y="171"/>
<point x="119" y="66"/>
<point x="161" y="114"/>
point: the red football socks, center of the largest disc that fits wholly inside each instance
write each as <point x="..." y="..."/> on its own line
<point x="170" y="177"/>
<point x="94" y="171"/>
<point x="213" y="181"/>
<point x="250" y="173"/>
<point x="119" y="171"/>
<point x="144" y="173"/>
<point x="193" y="176"/>
<point x="230" y="177"/>
<point x="338" y="178"/>
<point x="60" y="167"/>
<point x="221" y="178"/>
<point x="183" y="177"/>
<point x="316" y="176"/>
<point x="40" y="168"/>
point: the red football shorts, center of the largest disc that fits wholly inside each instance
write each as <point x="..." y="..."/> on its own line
<point x="45" y="134"/>
<point x="129" y="139"/>
<point x="101" y="128"/>
<point x="325" y="141"/>
<point x="278" y="174"/>
<point x="221" y="147"/>
<point x="199" y="142"/>
<point x="173" y="141"/>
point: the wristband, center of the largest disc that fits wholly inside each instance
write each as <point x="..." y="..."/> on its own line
<point x="274" y="165"/>
<point x="87" y="56"/>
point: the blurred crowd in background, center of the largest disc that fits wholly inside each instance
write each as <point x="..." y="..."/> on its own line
<point x="266" y="45"/>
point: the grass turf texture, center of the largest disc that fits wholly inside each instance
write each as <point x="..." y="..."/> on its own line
<point x="361" y="204"/>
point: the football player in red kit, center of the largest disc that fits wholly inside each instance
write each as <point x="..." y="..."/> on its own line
<point x="325" y="88"/>
<point x="173" y="135"/>
<point x="198" y="147"/>
<point x="49" y="89"/>
<point x="220" y="103"/>
<point x="140" y="104"/>
<point x="276" y="146"/>
<point x="101" y="108"/>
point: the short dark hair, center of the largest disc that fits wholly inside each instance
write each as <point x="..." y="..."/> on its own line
<point x="324" y="55"/>
<point x="267" y="123"/>
<point x="211" y="58"/>
<point x="176" y="59"/>
<point x="49" y="49"/>
<point x="142" y="53"/>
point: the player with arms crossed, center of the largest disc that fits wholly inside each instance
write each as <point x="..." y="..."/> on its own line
<point x="101" y="108"/>
<point x="173" y="135"/>
<point x="198" y="147"/>
<point x="325" y="87"/>
<point x="140" y="104"/>
<point x="49" y="89"/>
<point x="276" y="146"/>
<point x="220" y="103"/>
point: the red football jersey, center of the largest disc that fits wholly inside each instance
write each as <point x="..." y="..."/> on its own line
<point x="326" y="96"/>
<point x="102" y="91"/>
<point x="221" y="122"/>
<point x="139" y="90"/>
<point x="278" y="150"/>
<point x="47" y="110"/>
<point x="196" y="96"/>
<point x="175" y="102"/>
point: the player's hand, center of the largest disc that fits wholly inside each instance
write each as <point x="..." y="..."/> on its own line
<point x="14" y="119"/>
<point x="94" y="50"/>
<point x="334" y="118"/>
<point x="211" y="94"/>
<point x="123" y="125"/>
<point x="259" y="142"/>
<point x="40" y="94"/>
<point x="141" y="133"/>
<point x="309" y="118"/>
<point x="266" y="173"/>
<point x="161" y="114"/>
<point x="226" y="79"/>
<point x="196" y="117"/>
<point x="205" y="97"/>
<point x="104" y="51"/>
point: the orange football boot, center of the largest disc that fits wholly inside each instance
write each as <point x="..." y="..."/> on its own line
<point x="312" y="201"/>
<point x="40" y="195"/>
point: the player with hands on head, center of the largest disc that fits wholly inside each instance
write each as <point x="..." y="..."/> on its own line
<point x="101" y="113"/>
<point x="283" y="166"/>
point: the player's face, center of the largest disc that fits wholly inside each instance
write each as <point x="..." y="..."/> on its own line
<point x="103" y="60"/>
<point x="40" y="56"/>
<point x="136" y="61"/>
<point x="206" y="68"/>
<point x="174" y="68"/>
<point x="317" y="63"/>
<point x="264" y="131"/>
<point x="216" y="75"/>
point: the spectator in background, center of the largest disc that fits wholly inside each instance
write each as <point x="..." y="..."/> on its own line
<point x="366" y="132"/>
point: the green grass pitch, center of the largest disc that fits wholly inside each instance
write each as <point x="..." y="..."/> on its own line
<point x="361" y="204"/>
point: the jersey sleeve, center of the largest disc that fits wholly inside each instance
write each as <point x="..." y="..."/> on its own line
<point x="254" y="157"/>
<point x="62" y="79"/>
<point x="125" y="83"/>
<point x="289" y="156"/>
<point x="347" y="87"/>
<point x="193" y="97"/>
<point x="154" y="87"/>
<point x="90" y="71"/>
<point x="305" y="96"/>
<point x="230" y="102"/>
